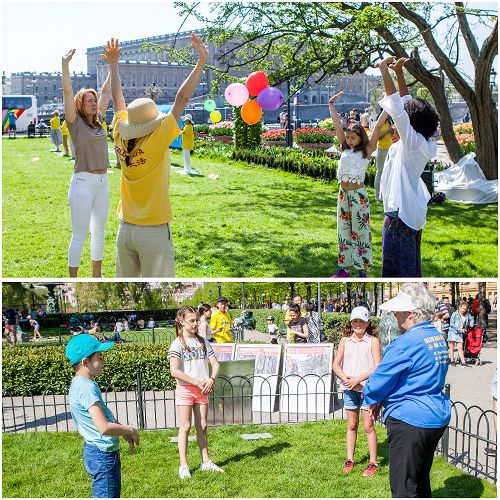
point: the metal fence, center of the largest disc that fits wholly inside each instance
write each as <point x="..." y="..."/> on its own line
<point x="250" y="400"/>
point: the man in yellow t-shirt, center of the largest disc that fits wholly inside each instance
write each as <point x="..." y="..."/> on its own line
<point x="221" y="322"/>
<point x="298" y="301"/>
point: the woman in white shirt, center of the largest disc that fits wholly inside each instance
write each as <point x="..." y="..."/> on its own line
<point x="403" y="192"/>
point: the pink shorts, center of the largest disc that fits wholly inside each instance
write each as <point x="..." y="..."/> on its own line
<point x="189" y="395"/>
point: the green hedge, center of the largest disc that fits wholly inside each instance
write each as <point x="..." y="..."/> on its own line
<point x="46" y="369"/>
<point x="246" y="136"/>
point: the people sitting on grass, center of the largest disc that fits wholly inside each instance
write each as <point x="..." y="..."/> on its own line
<point x="144" y="246"/>
<point x="189" y="356"/>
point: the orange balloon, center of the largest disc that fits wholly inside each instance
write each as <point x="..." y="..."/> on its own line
<point x="251" y="112"/>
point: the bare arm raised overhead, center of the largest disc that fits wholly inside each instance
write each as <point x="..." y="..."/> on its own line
<point x="105" y="96"/>
<point x="187" y="88"/>
<point x="339" y="129"/>
<point x="372" y="145"/>
<point x="112" y="55"/>
<point x="69" y="98"/>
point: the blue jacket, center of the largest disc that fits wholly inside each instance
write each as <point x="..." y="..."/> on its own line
<point x="456" y="324"/>
<point x="410" y="379"/>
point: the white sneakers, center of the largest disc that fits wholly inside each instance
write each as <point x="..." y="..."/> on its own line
<point x="210" y="466"/>
<point x="184" y="472"/>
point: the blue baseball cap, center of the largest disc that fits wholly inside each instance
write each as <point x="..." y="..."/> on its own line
<point x="84" y="345"/>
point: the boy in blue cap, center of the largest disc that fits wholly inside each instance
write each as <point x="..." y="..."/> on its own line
<point x="94" y="420"/>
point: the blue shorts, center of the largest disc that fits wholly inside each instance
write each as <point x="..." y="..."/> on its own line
<point x="354" y="400"/>
<point x="105" y="470"/>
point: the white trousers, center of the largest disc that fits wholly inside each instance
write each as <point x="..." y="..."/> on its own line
<point x="88" y="200"/>
<point x="186" y="158"/>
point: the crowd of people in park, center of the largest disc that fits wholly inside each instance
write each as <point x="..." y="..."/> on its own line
<point x="407" y="383"/>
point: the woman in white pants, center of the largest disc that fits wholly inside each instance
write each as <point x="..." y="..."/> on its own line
<point x="88" y="196"/>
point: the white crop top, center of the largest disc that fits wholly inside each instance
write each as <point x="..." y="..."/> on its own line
<point x="352" y="167"/>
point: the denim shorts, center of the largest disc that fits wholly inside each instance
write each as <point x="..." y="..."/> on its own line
<point x="105" y="470"/>
<point x="354" y="400"/>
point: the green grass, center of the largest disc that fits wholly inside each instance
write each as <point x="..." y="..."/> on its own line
<point x="251" y="222"/>
<point x="302" y="460"/>
<point x="162" y="335"/>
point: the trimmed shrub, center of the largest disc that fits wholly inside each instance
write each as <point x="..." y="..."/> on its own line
<point x="245" y="136"/>
<point x="46" y="370"/>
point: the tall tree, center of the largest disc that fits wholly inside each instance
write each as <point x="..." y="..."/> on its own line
<point x="312" y="41"/>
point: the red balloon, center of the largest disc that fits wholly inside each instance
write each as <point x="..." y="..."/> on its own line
<point x="256" y="82"/>
<point x="251" y="112"/>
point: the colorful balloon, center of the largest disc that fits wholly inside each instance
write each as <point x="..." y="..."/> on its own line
<point x="215" y="116"/>
<point x="256" y="82"/>
<point x="210" y="105"/>
<point x="251" y="112"/>
<point x="270" y="99"/>
<point x="236" y="94"/>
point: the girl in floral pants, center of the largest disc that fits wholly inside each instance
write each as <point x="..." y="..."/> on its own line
<point x="353" y="210"/>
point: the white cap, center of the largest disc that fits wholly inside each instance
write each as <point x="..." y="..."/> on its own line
<point x="402" y="302"/>
<point x="360" y="312"/>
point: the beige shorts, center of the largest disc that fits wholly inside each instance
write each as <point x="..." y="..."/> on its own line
<point x="144" y="251"/>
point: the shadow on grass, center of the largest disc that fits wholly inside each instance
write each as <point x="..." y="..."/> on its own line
<point x="460" y="487"/>
<point x="261" y="451"/>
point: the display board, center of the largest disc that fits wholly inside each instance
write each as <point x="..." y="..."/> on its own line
<point x="307" y="378"/>
<point x="267" y="366"/>
<point x="224" y="351"/>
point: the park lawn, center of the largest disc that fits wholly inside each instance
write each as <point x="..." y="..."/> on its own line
<point x="251" y="222"/>
<point x="303" y="460"/>
<point x="162" y="336"/>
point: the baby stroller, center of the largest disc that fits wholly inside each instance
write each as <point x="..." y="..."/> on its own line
<point x="473" y="342"/>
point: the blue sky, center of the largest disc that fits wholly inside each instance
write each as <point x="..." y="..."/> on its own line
<point x="73" y="24"/>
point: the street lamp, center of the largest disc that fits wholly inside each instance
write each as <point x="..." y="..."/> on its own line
<point x="32" y="290"/>
<point x="219" y="285"/>
<point x="493" y="75"/>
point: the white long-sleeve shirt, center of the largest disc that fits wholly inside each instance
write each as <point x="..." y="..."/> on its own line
<point x="401" y="187"/>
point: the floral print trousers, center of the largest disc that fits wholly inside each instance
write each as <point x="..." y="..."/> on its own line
<point x="353" y="227"/>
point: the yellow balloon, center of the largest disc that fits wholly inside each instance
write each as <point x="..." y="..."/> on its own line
<point x="215" y="116"/>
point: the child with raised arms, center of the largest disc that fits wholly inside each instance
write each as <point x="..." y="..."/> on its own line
<point x="353" y="209"/>
<point x="189" y="356"/>
<point x="357" y="357"/>
<point x="94" y="420"/>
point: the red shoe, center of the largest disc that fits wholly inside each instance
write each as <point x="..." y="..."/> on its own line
<point x="370" y="470"/>
<point x="348" y="466"/>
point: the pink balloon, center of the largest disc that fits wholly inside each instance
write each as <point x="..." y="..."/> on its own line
<point x="236" y="94"/>
<point x="270" y="99"/>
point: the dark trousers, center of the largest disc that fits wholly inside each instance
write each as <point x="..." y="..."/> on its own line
<point x="411" y="452"/>
<point x="400" y="249"/>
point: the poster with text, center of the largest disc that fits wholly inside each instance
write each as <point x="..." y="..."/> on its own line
<point x="223" y="351"/>
<point x="267" y="366"/>
<point x="307" y="378"/>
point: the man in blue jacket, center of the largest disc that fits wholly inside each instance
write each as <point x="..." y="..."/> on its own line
<point x="409" y="385"/>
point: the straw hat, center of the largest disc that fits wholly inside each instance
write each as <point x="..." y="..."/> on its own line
<point x="143" y="118"/>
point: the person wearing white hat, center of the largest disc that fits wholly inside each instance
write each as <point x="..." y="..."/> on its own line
<point x="409" y="385"/>
<point x="187" y="142"/>
<point x="357" y="356"/>
<point x="142" y="137"/>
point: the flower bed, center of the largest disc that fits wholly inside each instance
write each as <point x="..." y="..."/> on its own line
<point x="467" y="142"/>
<point x="274" y="135"/>
<point x="222" y="129"/>
<point x="314" y="135"/>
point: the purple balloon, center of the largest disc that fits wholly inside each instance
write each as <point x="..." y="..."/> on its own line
<point x="270" y="99"/>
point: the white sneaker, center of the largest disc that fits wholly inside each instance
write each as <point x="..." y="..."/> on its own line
<point x="210" y="466"/>
<point x="184" y="472"/>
